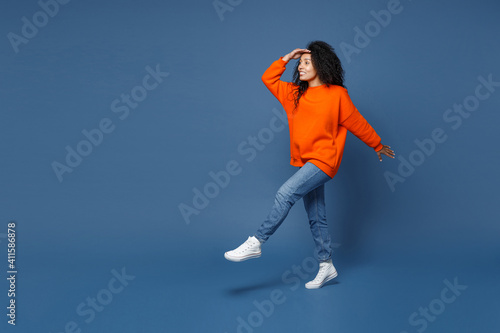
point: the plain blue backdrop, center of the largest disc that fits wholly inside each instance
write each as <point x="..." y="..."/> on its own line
<point x="105" y="247"/>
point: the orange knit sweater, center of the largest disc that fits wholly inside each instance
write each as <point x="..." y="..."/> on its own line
<point x="319" y="125"/>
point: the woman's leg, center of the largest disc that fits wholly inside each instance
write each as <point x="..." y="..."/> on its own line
<point x="307" y="178"/>
<point x="314" y="202"/>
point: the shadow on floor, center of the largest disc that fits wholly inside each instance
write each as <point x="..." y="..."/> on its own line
<point x="271" y="283"/>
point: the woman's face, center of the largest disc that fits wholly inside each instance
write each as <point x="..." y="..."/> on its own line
<point x="306" y="69"/>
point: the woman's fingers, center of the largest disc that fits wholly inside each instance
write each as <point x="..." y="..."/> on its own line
<point x="295" y="54"/>
<point x="386" y="151"/>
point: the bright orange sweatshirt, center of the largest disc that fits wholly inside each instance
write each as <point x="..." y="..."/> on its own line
<point x="319" y="125"/>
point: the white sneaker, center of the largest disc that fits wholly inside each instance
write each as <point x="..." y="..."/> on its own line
<point x="326" y="272"/>
<point x="248" y="250"/>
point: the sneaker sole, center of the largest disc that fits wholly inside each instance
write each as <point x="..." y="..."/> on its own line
<point x="317" y="286"/>
<point x="239" y="259"/>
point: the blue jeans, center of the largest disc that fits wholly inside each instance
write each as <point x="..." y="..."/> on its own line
<point x="307" y="183"/>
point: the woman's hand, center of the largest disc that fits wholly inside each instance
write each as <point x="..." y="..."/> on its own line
<point x="386" y="151"/>
<point x="295" y="54"/>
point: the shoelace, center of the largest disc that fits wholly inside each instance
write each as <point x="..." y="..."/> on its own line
<point x="320" y="273"/>
<point x="243" y="247"/>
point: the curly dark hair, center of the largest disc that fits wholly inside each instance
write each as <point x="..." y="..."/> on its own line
<point x="327" y="65"/>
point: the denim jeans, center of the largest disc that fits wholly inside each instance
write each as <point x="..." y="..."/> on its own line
<point x="307" y="183"/>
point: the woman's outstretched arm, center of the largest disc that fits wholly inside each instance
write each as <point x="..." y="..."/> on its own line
<point x="351" y="119"/>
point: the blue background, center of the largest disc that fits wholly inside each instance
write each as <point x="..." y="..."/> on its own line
<point x="119" y="208"/>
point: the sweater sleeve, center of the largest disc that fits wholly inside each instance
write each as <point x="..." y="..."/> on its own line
<point x="271" y="79"/>
<point x="351" y="119"/>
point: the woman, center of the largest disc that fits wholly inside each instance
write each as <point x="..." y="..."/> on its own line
<point x="319" y="112"/>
